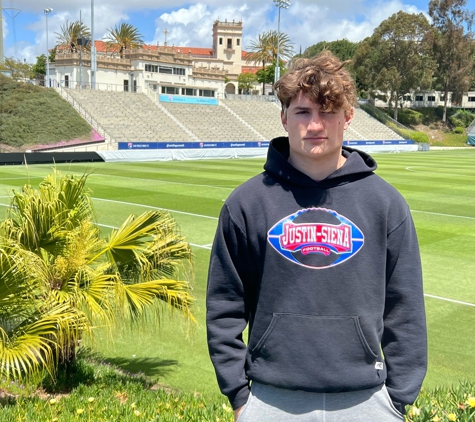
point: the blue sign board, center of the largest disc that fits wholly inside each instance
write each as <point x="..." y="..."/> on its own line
<point x="238" y="144"/>
<point x="190" y="145"/>
<point x="362" y="143"/>
<point x="167" y="98"/>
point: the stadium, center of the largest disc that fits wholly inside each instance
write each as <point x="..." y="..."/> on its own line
<point x="155" y="148"/>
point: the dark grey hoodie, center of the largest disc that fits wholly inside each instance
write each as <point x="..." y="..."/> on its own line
<point x="327" y="275"/>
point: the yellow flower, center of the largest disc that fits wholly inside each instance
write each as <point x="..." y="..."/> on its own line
<point x="471" y="401"/>
<point x="435" y="419"/>
<point x="79" y="411"/>
<point x="415" y="411"/>
<point x="133" y="405"/>
<point x="452" y="417"/>
<point x="90" y="399"/>
<point x="137" y="413"/>
<point x="53" y="401"/>
<point x="227" y="408"/>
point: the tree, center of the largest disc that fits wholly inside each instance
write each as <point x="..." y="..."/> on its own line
<point x="263" y="50"/>
<point x="452" y="46"/>
<point x="59" y="277"/>
<point x="19" y="69"/>
<point x="123" y="37"/>
<point x="52" y="54"/>
<point x="246" y="81"/>
<point x="343" y="49"/>
<point x="39" y="68"/>
<point x="67" y="39"/>
<point x="394" y="59"/>
<point x="267" y="75"/>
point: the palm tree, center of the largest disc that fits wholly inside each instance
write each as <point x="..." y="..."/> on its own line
<point x="264" y="49"/>
<point x="59" y="277"/>
<point x="70" y="32"/>
<point x="122" y="37"/>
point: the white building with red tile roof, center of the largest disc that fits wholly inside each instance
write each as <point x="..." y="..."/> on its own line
<point x="190" y="71"/>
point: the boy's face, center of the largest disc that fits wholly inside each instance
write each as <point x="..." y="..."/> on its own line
<point x="314" y="135"/>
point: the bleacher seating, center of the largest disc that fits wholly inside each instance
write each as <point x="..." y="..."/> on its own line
<point x="369" y="128"/>
<point x="212" y="123"/>
<point x="130" y="118"/>
<point x="263" y="116"/>
<point x="136" y="118"/>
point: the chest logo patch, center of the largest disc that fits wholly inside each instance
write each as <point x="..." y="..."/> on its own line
<point x="316" y="238"/>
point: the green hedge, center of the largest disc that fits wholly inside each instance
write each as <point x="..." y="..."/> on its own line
<point x="410" y="134"/>
<point x="462" y="118"/>
<point x="409" y="117"/>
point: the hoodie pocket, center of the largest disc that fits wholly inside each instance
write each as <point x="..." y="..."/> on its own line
<point x="327" y="353"/>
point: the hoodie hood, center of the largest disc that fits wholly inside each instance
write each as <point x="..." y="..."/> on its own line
<point x="358" y="164"/>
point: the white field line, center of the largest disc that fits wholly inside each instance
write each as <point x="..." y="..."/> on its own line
<point x="215" y="218"/>
<point x="154" y="208"/>
<point x="450" y="300"/>
<point x="209" y="246"/>
<point x="138" y="178"/>
<point x="418" y="170"/>
<point x="444" y="215"/>
<point x="162" y="181"/>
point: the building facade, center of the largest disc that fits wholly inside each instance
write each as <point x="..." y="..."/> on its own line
<point x="189" y="71"/>
<point x="420" y="99"/>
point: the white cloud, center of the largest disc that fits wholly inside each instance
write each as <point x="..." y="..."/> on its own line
<point x="186" y="16"/>
<point x="193" y="26"/>
<point x="306" y="21"/>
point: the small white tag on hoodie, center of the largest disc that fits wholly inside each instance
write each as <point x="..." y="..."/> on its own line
<point x="379" y="365"/>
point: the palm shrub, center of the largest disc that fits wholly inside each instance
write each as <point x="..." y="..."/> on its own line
<point x="60" y="278"/>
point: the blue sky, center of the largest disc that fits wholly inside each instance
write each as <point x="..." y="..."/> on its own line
<point x="190" y="24"/>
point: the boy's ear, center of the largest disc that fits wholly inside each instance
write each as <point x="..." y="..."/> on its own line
<point x="349" y="117"/>
<point x="283" y="119"/>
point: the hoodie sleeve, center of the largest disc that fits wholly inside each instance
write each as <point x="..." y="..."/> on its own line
<point x="227" y="308"/>
<point x="404" y="341"/>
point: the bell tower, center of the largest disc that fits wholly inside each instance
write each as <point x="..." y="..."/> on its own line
<point x="227" y="40"/>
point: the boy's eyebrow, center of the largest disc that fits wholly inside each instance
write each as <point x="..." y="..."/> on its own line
<point x="300" y="108"/>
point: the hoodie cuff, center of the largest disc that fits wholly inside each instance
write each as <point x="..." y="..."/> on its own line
<point x="240" y="398"/>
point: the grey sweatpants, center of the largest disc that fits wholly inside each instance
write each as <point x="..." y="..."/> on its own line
<point x="267" y="403"/>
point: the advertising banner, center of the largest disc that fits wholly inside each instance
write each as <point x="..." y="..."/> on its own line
<point x="168" y="98"/>
<point x="239" y="144"/>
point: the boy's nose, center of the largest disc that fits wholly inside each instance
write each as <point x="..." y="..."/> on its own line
<point x="315" y="122"/>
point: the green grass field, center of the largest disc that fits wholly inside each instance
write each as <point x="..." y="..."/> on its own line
<point x="438" y="185"/>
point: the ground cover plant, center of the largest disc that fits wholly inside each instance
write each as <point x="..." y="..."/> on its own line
<point x="438" y="186"/>
<point x="30" y="115"/>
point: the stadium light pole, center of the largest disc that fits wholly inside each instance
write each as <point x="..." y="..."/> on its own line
<point x="47" y="12"/>
<point x="1" y="32"/>
<point x="281" y="4"/>
<point x="93" y="50"/>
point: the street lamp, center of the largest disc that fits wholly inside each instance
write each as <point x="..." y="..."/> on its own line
<point x="47" y="12"/>
<point x="281" y="4"/>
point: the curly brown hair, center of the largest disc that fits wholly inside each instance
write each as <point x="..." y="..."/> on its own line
<point x="322" y="79"/>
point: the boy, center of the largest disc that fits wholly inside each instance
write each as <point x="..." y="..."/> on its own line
<point x="319" y="256"/>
